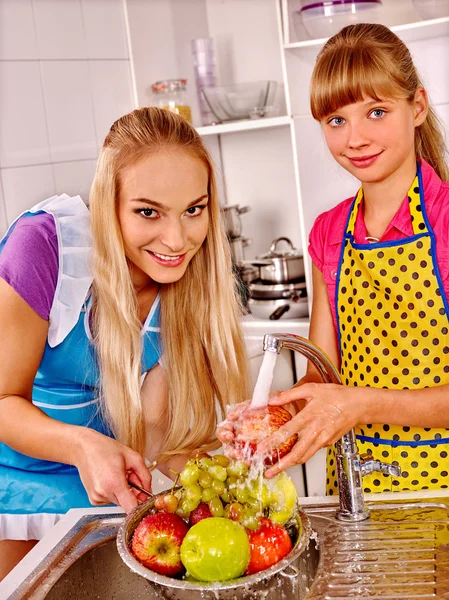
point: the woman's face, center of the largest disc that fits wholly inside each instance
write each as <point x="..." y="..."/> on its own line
<point x="163" y="214"/>
<point x="373" y="139"/>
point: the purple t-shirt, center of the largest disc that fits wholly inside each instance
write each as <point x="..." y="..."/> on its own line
<point x="29" y="262"/>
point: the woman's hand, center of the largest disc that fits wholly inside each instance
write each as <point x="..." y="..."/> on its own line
<point x="330" y="411"/>
<point x="225" y="430"/>
<point x="105" y="465"/>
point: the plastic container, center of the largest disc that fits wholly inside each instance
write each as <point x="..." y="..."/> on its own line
<point x="431" y="9"/>
<point x="324" y="19"/>
<point x="205" y="75"/>
<point x="170" y="94"/>
<point x="241" y="100"/>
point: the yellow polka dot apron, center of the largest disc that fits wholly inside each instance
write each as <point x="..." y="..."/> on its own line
<point x="393" y="326"/>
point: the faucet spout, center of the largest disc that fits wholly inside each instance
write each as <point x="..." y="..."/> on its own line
<point x="349" y="470"/>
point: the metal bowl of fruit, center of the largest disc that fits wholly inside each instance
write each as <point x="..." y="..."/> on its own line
<point x="233" y="541"/>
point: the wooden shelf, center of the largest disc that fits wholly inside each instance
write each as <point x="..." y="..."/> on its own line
<point x="244" y="125"/>
<point x="410" y="32"/>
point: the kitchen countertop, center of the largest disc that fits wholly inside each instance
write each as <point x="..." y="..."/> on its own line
<point x="34" y="557"/>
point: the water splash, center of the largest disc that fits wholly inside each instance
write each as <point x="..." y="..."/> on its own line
<point x="261" y="392"/>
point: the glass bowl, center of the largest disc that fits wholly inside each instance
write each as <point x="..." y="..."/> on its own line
<point x="241" y="100"/>
<point x="324" y="19"/>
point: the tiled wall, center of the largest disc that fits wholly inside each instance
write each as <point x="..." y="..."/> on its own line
<point x="64" y="78"/>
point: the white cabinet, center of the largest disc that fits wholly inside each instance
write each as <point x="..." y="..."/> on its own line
<point x="279" y="166"/>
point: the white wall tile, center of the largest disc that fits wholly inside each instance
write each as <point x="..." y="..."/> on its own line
<point x="24" y="139"/>
<point x="3" y="222"/>
<point x="23" y="187"/>
<point x="17" y="35"/>
<point x="112" y="94"/>
<point x="74" y="178"/>
<point x="104" y="28"/>
<point x="68" y="103"/>
<point x="59" y="29"/>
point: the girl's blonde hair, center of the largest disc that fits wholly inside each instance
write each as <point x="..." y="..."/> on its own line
<point x="202" y="343"/>
<point x="370" y="60"/>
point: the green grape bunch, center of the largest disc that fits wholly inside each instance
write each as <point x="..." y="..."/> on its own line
<point x="230" y="489"/>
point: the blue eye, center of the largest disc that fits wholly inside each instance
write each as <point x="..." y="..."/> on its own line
<point x="377" y="113"/>
<point x="336" y="121"/>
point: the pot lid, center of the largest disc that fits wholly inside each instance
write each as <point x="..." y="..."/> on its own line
<point x="291" y="252"/>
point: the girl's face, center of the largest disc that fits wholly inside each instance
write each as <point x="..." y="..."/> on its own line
<point x="163" y="214"/>
<point x="372" y="139"/>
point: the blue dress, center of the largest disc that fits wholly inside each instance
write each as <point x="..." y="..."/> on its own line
<point x="66" y="383"/>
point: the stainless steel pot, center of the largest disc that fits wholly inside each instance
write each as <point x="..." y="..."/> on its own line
<point x="278" y="309"/>
<point x="238" y="246"/>
<point x="233" y="223"/>
<point x="280" y="266"/>
<point x="267" y="291"/>
<point x="242" y="588"/>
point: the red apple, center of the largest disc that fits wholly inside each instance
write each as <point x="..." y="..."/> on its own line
<point x="269" y="544"/>
<point x="202" y="511"/>
<point x="156" y="543"/>
<point x="257" y="424"/>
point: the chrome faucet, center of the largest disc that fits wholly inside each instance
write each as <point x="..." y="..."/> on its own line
<point x="351" y="467"/>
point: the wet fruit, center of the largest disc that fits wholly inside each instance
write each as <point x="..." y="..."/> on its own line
<point x="216" y="549"/>
<point x="256" y="425"/>
<point x="156" y="543"/>
<point x="269" y="544"/>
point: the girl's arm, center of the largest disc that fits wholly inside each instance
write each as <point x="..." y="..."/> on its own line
<point x="102" y="462"/>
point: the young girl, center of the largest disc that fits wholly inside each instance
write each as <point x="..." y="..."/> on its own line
<point x="93" y="302"/>
<point x="380" y="271"/>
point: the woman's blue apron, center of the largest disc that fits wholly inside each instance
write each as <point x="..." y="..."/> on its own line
<point x="66" y="383"/>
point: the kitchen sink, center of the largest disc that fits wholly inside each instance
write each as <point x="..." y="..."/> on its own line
<point x="401" y="552"/>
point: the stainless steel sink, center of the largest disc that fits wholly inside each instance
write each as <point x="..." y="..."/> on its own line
<point x="401" y="552"/>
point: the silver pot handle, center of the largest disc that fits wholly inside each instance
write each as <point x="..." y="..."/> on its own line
<point x="281" y="239"/>
<point x="243" y="209"/>
<point x="291" y="575"/>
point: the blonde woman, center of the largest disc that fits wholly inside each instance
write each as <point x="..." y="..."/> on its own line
<point x="92" y="302"/>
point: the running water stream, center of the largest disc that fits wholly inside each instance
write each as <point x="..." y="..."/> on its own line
<point x="261" y="392"/>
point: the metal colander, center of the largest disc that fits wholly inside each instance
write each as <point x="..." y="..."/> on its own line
<point x="252" y="586"/>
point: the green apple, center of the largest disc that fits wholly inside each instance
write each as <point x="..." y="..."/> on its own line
<point x="215" y="549"/>
<point x="282" y="498"/>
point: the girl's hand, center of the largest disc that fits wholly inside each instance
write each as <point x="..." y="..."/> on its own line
<point x="105" y="465"/>
<point x="330" y="411"/>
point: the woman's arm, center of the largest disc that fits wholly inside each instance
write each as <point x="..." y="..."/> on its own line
<point x="101" y="461"/>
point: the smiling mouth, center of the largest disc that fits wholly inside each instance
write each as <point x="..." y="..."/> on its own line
<point x="166" y="259"/>
<point x="363" y="158"/>
<point x="165" y="256"/>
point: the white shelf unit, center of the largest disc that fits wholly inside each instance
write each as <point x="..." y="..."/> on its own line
<point x="408" y="32"/>
<point x="243" y="125"/>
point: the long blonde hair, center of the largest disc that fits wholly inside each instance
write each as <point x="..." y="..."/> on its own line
<point x="202" y="342"/>
<point x="369" y="59"/>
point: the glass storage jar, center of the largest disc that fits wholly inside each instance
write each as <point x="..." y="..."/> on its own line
<point x="170" y="94"/>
